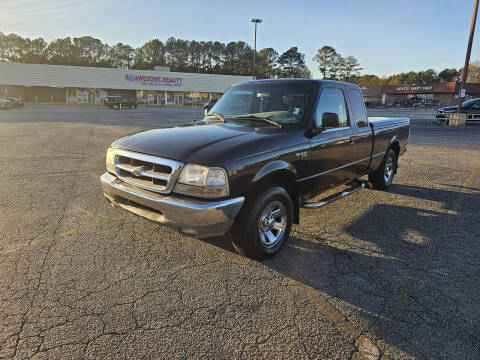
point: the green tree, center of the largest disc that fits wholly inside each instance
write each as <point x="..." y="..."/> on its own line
<point x="36" y="53"/>
<point x="14" y="47"/>
<point x="216" y="54"/>
<point x="61" y="52"/>
<point x="367" y="80"/>
<point x="238" y="58"/>
<point x="349" y="67"/>
<point x="335" y="67"/>
<point x="176" y="54"/>
<point x="121" y="55"/>
<point x="327" y="58"/>
<point x="88" y="51"/>
<point x="428" y="76"/>
<point x="153" y="53"/>
<point x="448" y="75"/>
<point x="305" y="72"/>
<point x="292" y="64"/>
<point x="267" y="63"/>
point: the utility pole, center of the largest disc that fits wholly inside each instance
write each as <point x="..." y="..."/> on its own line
<point x="467" y="59"/>
<point x="256" y="21"/>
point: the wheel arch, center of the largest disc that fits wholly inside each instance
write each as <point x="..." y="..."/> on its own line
<point x="277" y="173"/>
<point x="395" y="146"/>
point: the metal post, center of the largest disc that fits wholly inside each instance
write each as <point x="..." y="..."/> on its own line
<point x="467" y="58"/>
<point x="255" y="53"/>
<point x="255" y="21"/>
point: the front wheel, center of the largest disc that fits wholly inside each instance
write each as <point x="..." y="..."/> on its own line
<point x="264" y="224"/>
<point x="383" y="177"/>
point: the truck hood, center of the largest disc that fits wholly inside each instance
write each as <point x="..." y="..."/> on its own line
<point x="205" y="144"/>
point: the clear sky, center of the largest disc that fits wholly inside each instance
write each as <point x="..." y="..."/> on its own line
<point x="386" y="36"/>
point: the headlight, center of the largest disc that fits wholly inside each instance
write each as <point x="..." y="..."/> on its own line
<point x="110" y="160"/>
<point x="196" y="180"/>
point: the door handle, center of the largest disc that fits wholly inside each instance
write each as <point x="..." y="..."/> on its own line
<point x="353" y="139"/>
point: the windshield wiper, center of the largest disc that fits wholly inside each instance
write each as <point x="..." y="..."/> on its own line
<point x="218" y="116"/>
<point x="255" y="117"/>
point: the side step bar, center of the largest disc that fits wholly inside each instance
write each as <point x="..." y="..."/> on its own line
<point x="355" y="187"/>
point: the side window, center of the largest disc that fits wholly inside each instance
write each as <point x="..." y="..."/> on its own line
<point x="358" y="108"/>
<point x="331" y="103"/>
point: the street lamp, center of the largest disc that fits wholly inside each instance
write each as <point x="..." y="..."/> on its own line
<point x="255" y="21"/>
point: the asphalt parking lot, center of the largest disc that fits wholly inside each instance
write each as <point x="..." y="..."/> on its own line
<point x="391" y="275"/>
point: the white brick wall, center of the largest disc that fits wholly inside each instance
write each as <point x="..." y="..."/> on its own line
<point x="105" y="78"/>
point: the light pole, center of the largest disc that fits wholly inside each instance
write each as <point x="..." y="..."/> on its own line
<point x="467" y="58"/>
<point x="255" y="21"/>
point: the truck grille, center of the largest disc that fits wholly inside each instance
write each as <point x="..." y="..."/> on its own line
<point x="147" y="172"/>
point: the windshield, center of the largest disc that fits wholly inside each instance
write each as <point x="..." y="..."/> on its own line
<point x="283" y="103"/>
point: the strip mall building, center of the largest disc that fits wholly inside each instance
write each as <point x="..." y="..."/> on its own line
<point x="441" y="94"/>
<point x="61" y="84"/>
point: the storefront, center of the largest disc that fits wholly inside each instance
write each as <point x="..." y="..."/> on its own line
<point x="434" y="95"/>
<point x="58" y="84"/>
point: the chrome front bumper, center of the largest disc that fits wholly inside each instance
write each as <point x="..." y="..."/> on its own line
<point x="199" y="218"/>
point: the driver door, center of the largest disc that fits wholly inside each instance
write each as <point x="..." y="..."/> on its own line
<point x="334" y="147"/>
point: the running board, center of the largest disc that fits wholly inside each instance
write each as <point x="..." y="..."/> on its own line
<point x="357" y="186"/>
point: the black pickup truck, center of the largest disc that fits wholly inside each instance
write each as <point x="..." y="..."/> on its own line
<point x="264" y="150"/>
<point x="116" y="102"/>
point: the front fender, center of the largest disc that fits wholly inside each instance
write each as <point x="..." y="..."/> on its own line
<point x="274" y="167"/>
<point x="280" y="173"/>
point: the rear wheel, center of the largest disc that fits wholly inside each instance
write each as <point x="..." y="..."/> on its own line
<point x="383" y="177"/>
<point x="264" y="224"/>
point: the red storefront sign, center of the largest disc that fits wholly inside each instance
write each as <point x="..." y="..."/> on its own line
<point x="154" y="80"/>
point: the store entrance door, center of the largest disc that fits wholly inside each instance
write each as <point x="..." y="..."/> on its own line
<point x="151" y="99"/>
<point x="178" y="99"/>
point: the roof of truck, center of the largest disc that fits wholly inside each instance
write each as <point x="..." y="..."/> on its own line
<point x="318" y="81"/>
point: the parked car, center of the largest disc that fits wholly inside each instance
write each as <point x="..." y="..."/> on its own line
<point x="115" y="102"/>
<point x="17" y="103"/>
<point x="470" y="107"/>
<point x="208" y="105"/>
<point x="264" y="150"/>
<point x="5" y="104"/>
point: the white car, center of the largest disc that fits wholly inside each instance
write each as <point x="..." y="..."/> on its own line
<point x="5" y="104"/>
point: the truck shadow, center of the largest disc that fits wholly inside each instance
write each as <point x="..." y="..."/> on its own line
<point x="408" y="272"/>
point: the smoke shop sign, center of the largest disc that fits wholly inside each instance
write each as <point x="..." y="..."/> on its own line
<point x="154" y="80"/>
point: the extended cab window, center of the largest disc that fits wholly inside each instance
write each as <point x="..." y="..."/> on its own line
<point x="358" y="108"/>
<point x="331" y="102"/>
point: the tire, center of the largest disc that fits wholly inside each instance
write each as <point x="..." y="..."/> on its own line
<point x="115" y="106"/>
<point x="383" y="177"/>
<point x="264" y="224"/>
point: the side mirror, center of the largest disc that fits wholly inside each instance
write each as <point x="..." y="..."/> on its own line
<point x="330" y="120"/>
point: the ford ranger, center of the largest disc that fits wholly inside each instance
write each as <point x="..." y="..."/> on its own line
<point x="265" y="149"/>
